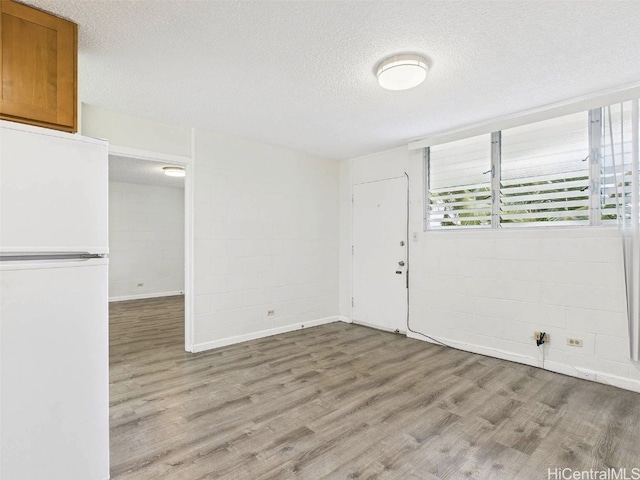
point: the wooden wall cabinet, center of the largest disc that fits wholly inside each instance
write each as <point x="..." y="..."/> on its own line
<point x="38" y="67"/>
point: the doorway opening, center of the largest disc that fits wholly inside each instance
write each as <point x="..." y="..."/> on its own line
<point x="146" y="230"/>
<point x="150" y="235"/>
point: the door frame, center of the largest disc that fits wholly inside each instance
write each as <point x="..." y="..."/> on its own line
<point x="188" y="164"/>
<point x="405" y="175"/>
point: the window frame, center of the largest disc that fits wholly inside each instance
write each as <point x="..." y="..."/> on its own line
<point x="594" y="118"/>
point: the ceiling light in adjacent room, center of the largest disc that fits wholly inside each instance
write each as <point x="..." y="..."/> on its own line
<point x="174" y="171"/>
<point x="402" y="72"/>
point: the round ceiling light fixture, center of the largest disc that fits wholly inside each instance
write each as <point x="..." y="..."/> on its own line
<point x="402" y="72"/>
<point x="174" y="171"/>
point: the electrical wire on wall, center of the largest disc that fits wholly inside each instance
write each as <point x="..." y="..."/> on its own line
<point x="540" y="343"/>
<point x="408" y="268"/>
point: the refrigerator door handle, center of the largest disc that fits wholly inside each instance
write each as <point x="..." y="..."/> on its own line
<point x="93" y="255"/>
<point x="39" y="256"/>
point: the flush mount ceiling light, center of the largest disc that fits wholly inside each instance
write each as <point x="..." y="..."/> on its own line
<point x="402" y="72"/>
<point x="174" y="171"/>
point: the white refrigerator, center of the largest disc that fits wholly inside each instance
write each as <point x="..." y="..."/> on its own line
<point x="54" y="368"/>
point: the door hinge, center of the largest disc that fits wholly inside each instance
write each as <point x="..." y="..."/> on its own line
<point x="352" y="301"/>
<point x="352" y="249"/>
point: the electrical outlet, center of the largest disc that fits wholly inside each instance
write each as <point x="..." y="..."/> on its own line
<point x="574" y="342"/>
<point x="271" y="313"/>
<point x="547" y="337"/>
<point x="141" y="284"/>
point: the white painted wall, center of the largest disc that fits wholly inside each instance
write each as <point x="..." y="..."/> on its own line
<point x="137" y="133"/>
<point x="146" y="241"/>
<point x="487" y="291"/>
<point x="266" y="228"/>
<point x="345" y="241"/>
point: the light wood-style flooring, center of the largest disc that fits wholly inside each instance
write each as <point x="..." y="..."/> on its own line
<point x="341" y="401"/>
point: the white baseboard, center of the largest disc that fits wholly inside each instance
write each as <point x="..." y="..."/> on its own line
<point x="490" y="352"/>
<point x="144" y="295"/>
<point x="570" y="370"/>
<point x="201" y="347"/>
<point x="594" y="376"/>
<point x="377" y="327"/>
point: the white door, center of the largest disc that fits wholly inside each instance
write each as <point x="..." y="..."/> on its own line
<point x="380" y="254"/>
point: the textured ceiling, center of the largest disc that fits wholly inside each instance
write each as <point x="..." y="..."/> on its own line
<point x="300" y="74"/>
<point x="144" y="172"/>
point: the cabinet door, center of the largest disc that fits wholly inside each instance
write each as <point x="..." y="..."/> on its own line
<point x="38" y="63"/>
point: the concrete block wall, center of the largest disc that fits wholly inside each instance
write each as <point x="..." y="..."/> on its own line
<point x="266" y="238"/>
<point x="487" y="291"/>
<point x="146" y="241"/>
<point x="345" y="241"/>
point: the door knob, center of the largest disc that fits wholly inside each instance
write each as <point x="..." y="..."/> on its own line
<point x="401" y="263"/>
